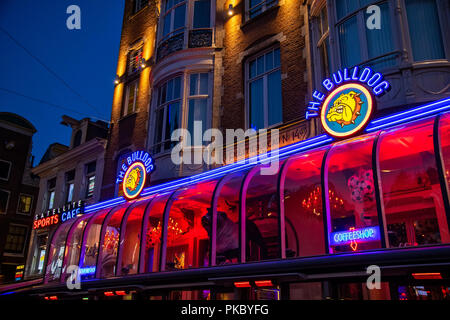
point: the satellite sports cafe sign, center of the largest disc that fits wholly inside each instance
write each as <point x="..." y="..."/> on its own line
<point x="59" y="215"/>
<point x="348" y="103"/>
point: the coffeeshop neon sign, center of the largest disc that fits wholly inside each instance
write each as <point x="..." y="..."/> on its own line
<point x="355" y="235"/>
<point x="133" y="173"/>
<point x="348" y="104"/>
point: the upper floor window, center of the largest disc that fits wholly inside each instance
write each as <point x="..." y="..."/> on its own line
<point x="424" y="30"/>
<point x="256" y="7"/>
<point x="357" y="43"/>
<point x="173" y="17"/>
<point x="70" y="186"/>
<point x="198" y="103"/>
<point x="90" y="179"/>
<point x="51" y="186"/>
<point x="131" y="94"/>
<point x="202" y="15"/>
<point x="168" y="114"/>
<point x="323" y="43"/>
<point x="4" y="199"/>
<point x="138" y="5"/>
<point x="15" y="240"/>
<point x="264" y="90"/>
<point x="25" y="202"/>
<point x="134" y="60"/>
<point x="5" y="169"/>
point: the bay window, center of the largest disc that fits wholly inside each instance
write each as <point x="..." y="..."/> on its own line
<point x="264" y="90"/>
<point x="174" y="18"/>
<point x="167" y="114"/>
<point x="374" y="46"/>
<point x="424" y="30"/>
<point x="198" y="102"/>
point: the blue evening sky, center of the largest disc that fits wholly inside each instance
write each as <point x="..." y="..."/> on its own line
<point x="85" y="59"/>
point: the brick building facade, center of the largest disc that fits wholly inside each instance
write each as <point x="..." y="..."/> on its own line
<point x="18" y="192"/>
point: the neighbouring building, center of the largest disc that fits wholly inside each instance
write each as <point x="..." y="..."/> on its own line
<point x="18" y="192"/>
<point x="360" y="178"/>
<point x="69" y="180"/>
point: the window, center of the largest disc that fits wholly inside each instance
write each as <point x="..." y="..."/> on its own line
<point x="138" y="5"/>
<point x="134" y="60"/>
<point x="198" y="103"/>
<point x="173" y="18"/>
<point x="301" y="191"/>
<point x="351" y="195"/>
<point x="15" y="240"/>
<point x="25" y="202"/>
<point x="262" y="214"/>
<point x="264" y="90"/>
<point x="373" y="46"/>
<point x="189" y="233"/>
<point x="412" y="197"/>
<point x="424" y="30"/>
<point x="167" y="114"/>
<point x="256" y="7"/>
<point x="51" y="185"/>
<point x="5" y="168"/>
<point x="70" y="184"/>
<point x="90" y="178"/>
<point x="323" y="44"/>
<point x="202" y="15"/>
<point x="4" y="199"/>
<point x="131" y="95"/>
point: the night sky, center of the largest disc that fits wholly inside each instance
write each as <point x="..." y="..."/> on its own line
<point x="84" y="59"/>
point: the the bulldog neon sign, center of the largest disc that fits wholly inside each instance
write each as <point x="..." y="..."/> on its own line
<point x="348" y="104"/>
<point x="133" y="173"/>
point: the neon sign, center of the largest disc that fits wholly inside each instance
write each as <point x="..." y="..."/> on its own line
<point x="134" y="173"/>
<point x="347" y="106"/>
<point x="354" y="236"/>
<point x="57" y="215"/>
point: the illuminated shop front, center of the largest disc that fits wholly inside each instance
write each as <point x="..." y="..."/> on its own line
<point x="386" y="188"/>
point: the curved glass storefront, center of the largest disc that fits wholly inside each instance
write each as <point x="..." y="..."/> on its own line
<point x="386" y="189"/>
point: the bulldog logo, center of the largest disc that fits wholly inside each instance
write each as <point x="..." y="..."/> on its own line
<point x="133" y="179"/>
<point x="345" y="109"/>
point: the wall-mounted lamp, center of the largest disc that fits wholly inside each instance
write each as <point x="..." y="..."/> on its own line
<point x="117" y="80"/>
<point x="230" y="10"/>
<point x="143" y="63"/>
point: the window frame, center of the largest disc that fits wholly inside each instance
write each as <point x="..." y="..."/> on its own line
<point x="190" y="97"/>
<point x="67" y="183"/>
<point x="7" y="201"/>
<point x="88" y="176"/>
<point x="140" y="52"/>
<point x="9" y="170"/>
<point x="264" y="75"/>
<point x="128" y="85"/>
<point x="163" y="106"/>
<point x="31" y="204"/>
<point x="362" y="37"/>
<point x="264" y="8"/>
<point x="138" y="5"/>
<point x="15" y="254"/>
<point x="180" y="30"/>
<point x="49" y="192"/>
<point x="443" y="28"/>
